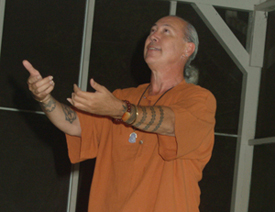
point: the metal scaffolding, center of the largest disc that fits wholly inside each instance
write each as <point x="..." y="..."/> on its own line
<point x="250" y="63"/>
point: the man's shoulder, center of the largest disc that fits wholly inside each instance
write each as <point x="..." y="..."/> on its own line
<point x="192" y="88"/>
<point x="186" y="90"/>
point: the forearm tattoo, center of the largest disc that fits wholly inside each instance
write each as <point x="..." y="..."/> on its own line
<point x="155" y="116"/>
<point x="70" y="115"/>
<point x="160" y="119"/>
<point x="50" y="106"/>
<point x="152" y="119"/>
<point x="144" y="116"/>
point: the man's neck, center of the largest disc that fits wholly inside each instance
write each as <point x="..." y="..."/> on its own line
<point x="165" y="76"/>
<point x="161" y="82"/>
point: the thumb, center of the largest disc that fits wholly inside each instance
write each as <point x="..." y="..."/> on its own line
<point x="96" y="86"/>
<point x="30" y="68"/>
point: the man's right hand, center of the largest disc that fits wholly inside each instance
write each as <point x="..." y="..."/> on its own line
<point x="62" y="116"/>
<point x="40" y="87"/>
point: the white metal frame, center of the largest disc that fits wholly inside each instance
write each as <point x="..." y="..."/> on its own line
<point x="2" y="14"/>
<point x="260" y="141"/>
<point x="267" y="6"/>
<point x="247" y="5"/>
<point x="82" y="83"/>
<point x="250" y="63"/>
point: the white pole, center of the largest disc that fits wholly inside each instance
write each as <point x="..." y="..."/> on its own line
<point x="82" y="83"/>
<point x="2" y="14"/>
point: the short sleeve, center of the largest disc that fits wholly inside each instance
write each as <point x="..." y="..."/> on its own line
<point x="194" y="128"/>
<point x="92" y="128"/>
<point x="86" y="146"/>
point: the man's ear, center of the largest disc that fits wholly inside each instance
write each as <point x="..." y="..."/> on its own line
<point x="190" y="48"/>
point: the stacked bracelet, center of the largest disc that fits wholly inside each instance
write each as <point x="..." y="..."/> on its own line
<point x="129" y="117"/>
<point x="127" y="114"/>
<point x="133" y="116"/>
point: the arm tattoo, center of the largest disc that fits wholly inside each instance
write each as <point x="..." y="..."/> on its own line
<point x="152" y="119"/>
<point x="144" y="116"/>
<point x="160" y="119"/>
<point x="70" y="115"/>
<point x="50" y="106"/>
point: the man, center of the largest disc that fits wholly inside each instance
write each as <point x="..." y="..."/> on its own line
<point x="152" y="147"/>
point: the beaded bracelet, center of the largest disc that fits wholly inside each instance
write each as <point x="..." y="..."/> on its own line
<point x="127" y="114"/>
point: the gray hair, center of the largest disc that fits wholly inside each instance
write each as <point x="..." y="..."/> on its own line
<point x="191" y="35"/>
<point x="191" y="74"/>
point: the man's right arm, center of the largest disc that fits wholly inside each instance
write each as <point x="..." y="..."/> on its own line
<point x="62" y="116"/>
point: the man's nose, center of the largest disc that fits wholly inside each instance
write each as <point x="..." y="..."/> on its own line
<point x="154" y="37"/>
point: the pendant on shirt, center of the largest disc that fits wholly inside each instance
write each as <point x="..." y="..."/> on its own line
<point x="133" y="137"/>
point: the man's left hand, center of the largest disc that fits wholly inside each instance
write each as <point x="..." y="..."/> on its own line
<point x="101" y="102"/>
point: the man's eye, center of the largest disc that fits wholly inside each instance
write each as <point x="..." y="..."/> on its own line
<point x="166" y="30"/>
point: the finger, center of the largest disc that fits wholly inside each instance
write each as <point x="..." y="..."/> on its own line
<point x="79" y="99"/>
<point x="81" y="94"/>
<point x="30" y="68"/>
<point x="40" y="84"/>
<point x="44" y="94"/>
<point x="78" y="102"/>
<point x="70" y="100"/>
<point x="76" y="88"/>
<point x="33" y="79"/>
<point x="97" y="86"/>
<point x="49" y="89"/>
<point x="43" y="85"/>
<point x="40" y="93"/>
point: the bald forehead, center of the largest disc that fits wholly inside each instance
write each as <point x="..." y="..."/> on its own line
<point x="172" y="21"/>
<point x="173" y="18"/>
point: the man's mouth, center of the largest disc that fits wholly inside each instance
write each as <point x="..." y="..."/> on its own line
<point x="153" y="48"/>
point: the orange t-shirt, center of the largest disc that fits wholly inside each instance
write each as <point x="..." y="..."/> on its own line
<point x="159" y="174"/>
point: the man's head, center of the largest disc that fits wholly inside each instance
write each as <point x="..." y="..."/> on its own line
<point x="171" y="42"/>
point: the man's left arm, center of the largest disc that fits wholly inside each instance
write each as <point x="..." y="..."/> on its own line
<point x="156" y="119"/>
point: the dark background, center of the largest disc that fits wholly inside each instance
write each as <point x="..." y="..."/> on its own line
<point x="33" y="154"/>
